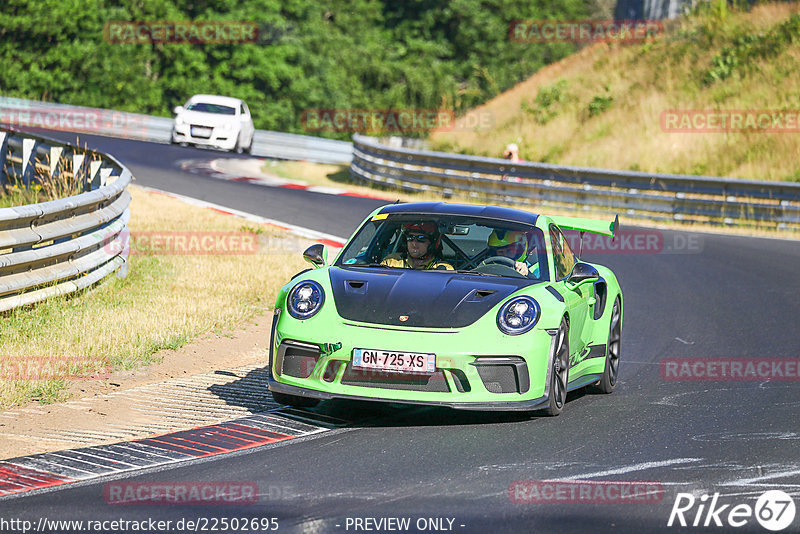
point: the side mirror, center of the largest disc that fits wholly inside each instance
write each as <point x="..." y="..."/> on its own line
<point x="177" y="109"/>
<point x="582" y="273"/>
<point x="316" y="255"/>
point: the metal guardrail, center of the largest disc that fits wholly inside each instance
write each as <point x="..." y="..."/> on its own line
<point x="636" y="194"/>
<point x="61" y="246"/>
<point x="121" y="124"/>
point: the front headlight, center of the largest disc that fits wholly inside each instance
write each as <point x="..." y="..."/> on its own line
<point x="305" y="300"/>
<point x="179" y="121"/>
<point x="227" y="127"/>
<point x="518" y="315"/>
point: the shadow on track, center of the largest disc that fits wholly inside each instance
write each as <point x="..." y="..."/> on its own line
<point x="245" y="392"/>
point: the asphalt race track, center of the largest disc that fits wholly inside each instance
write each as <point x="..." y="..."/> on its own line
<point x="697" y="296"/>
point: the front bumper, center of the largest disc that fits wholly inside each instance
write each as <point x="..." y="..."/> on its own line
<point x="207" y="136"/>
<point x="505" y="373"/>
<point x="500" y="406"/>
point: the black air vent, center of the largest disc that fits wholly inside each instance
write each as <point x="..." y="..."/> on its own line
<point x="359" y="287"/>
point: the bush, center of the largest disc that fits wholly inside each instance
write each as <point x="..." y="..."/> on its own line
<point x="599" y="104"/>
<point x="749" y="48"/>
<point x="546" y="102"/>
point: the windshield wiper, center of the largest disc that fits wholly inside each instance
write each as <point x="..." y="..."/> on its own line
<point x="478" y="273"/>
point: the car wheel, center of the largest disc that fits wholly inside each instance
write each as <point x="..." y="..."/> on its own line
<point x="559" y="371"/>
<point x="609" y="380"/>
<point x="238" y="148"/>
<point x="249" y="148"/>
<point x="294" y="400"/>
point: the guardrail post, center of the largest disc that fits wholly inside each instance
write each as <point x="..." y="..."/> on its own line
<point x="3" y="152"/>
<point x="28" y="161"/>
<point x="93" y="179"/>
<point x="77" y="167"/>
<point x="55" y="159"/>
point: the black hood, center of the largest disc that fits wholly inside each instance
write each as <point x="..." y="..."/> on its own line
<point x="431" y="299"/>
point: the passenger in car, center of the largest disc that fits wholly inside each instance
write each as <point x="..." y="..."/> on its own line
<point x="514" y="245"/>
<point x="423" y="246"/>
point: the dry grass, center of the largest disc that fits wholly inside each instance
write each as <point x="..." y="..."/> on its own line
<point x="641" y="81"/>
<point x="165" y="302"/>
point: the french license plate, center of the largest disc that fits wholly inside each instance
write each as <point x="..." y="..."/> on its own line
<point x="389" y="360"/>
<point x="200" y="132"/>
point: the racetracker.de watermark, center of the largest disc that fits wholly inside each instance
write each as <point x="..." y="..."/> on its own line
<point x="730" y="121"/>
<point x="198" y="32"/>
<point x="730" y="369"/>
<point x="583" y="31"/>
<point x="185" y="243"/>
<point x="181" y="493"/>
<point x="635" y="241"/>
<point x="52" y="368"/>
<point x="584" y="492"/>
<point x="74" y="119"/>
<point x="392" y="121"/>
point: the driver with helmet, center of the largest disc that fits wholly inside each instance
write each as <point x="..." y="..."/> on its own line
<point x="423" y="247"/>
<point x="512" y="244"/>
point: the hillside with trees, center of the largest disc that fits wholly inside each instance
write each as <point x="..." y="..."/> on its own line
<point x="340" y="54"/>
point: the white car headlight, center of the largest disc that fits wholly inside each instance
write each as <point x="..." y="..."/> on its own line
<point x="518" y="316"/>
<point x="305" y="300"/>
<point x="179" y="121"/>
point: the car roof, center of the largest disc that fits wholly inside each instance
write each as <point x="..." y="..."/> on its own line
<point x="216" y="99"/>
<point x="445" y="208"/>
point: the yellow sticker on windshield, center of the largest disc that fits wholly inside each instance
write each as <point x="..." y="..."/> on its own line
<point x="380" y="217"/>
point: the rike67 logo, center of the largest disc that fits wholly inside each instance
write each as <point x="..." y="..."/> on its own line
<point x="774" y="510"/>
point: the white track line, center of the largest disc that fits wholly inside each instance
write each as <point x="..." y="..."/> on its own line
<point x="754" y="480"/>
<point x="635" y="467"/>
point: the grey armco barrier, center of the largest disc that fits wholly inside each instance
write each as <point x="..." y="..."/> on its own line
<point x="61" y="246"/>
<point x="724" y="201"/>
<point x="19" y="112"/>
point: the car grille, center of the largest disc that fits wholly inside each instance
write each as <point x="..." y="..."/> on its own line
<point x="434" y="382"/>
<point x="503" y="374"/>
<point x="296" y="360"/>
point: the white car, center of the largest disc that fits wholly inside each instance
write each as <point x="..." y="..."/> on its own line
<point x="216" y="121"/>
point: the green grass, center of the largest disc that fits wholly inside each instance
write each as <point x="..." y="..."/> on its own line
<point x="12" y="195"/>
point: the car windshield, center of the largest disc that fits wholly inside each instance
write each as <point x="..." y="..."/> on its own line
<point x="467" y="244"/>
<point x="205" y="107"/>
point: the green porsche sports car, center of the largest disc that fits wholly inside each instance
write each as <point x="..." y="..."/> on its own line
<point x="469" y="307"/>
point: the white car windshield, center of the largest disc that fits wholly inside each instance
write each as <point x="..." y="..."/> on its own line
<point x="205" y="107"/>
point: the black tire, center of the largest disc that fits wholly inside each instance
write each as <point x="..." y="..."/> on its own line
<point x="559" y="371"/>
<point x="611" y="372"/>
<point x="294" y="400"/>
